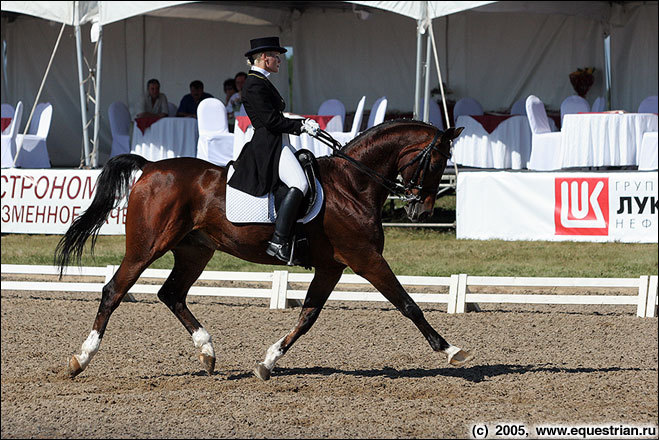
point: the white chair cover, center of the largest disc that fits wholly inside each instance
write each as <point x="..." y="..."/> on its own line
<point x="171" y="109"/>
<point x="545" y="145"/>
<point x="34" y="124"/>
<point x="519" y="107"/>
<point x="346" y="136"/>
<point x="333" y="107"/>
<point x="120" y="126"/>
<point x="377" y="112"/>
<point x="648" y="105"/>
<point x="215" y="142"/>
<point x="7" y="111"/>
<point x="34" y="150"/>
<point x="647" y="156"/>
<point x="434" y="113"/>
<point x="466" y="106"/>
<point x="574" y="104"/>
<point x="599" y="105"/>
<point x="9" y="139"/>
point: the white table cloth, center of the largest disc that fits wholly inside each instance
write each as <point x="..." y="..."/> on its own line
<point x="507" y="147"/>
<point x="165" y="139"/>
<point x="604" y="139"/>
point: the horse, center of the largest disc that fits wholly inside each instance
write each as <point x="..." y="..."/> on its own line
<point x="179" y="205"/>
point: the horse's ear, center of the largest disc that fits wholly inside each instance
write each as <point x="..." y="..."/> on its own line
<point x="451" y="133"/>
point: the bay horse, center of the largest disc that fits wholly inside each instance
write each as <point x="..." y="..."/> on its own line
<point x="179" y="205"/>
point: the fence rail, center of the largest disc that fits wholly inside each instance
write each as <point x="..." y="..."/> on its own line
<point x="458" y="299"/>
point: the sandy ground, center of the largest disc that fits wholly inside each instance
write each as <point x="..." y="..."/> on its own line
<point x="362" y="371"/>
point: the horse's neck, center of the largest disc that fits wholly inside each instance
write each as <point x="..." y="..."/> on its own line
<point x="382" y="159"/>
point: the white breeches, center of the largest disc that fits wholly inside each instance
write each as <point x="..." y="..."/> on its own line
<point x="290" y="170"/>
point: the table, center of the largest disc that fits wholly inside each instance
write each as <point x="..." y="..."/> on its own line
<point x="330" y="123"/>
<point x="604" y="139"/>
<point x="508" y="146"/>
<point x="167" y="138"/>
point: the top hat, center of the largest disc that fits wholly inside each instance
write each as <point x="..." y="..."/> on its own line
<point x="265" y="44"/>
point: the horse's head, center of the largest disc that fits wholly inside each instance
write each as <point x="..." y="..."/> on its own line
<point x="421" y="166"/>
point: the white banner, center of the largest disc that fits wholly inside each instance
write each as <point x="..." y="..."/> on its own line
<point x="558" y="206"/>
<point x="47" y="201"/>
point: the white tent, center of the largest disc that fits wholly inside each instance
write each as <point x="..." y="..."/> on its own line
<point x="341" y="50"/>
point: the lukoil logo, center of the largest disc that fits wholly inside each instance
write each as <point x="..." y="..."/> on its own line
<point x="582" y="206"/>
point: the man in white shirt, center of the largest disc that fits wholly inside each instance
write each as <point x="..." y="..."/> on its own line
<point x="154" y="103"/>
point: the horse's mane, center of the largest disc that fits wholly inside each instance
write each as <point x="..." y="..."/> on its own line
<point x="381" y="128"/>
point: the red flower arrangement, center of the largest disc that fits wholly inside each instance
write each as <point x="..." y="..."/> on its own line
<point x="582" y="80"/>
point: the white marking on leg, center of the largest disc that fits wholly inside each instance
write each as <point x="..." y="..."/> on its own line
<point x="273" y="354"/>
<point x="88" y="349"/>
<point x="451" y="351"/>
<point x="202" y="340"/>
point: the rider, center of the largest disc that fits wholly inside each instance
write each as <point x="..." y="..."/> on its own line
<point x="266" y="159"/>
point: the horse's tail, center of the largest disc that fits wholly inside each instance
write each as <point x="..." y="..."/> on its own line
<point x="113" y="183"/>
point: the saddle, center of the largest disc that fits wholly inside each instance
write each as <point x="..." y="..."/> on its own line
<point x="245" y="208"/>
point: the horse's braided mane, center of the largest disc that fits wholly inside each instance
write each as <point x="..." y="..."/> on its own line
<point x="375" y="130"/>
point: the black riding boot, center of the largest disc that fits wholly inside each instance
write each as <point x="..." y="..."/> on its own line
<point x="279" y="245"/>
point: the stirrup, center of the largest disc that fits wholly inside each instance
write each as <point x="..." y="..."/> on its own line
<point x="276" y="250"/>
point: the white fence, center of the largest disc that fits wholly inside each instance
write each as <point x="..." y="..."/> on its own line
<point x="458" y="300"/>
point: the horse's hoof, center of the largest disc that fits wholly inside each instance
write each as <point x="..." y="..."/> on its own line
<point x="208" y="362"/>
<point x="262" y="372"/>
<point x="460" y="358"/>
<point x="74" y="367"/>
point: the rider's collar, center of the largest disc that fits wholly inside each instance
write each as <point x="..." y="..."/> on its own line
<point x="261" y="71"/>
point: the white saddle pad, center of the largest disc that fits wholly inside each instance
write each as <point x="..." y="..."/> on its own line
<point x="246" y="208"/>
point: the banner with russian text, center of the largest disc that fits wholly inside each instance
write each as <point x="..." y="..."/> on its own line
<point x="558" y="206"/>
<point x="47" y="201"/>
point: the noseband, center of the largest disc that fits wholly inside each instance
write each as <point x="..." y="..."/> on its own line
<point x="396" y="187"/>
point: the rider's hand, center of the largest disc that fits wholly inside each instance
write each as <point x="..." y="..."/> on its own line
<point x="310" y="126"/>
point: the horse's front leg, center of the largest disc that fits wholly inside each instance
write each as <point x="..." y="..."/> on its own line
<point x="319" y="290"/>
<point x="376" y="270"/>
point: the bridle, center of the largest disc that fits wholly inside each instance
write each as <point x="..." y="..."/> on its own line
<point x="405" y="191"/>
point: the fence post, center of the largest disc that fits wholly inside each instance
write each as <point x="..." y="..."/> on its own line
<point x="279" y="288"/>
<point x="642" y="296"/>
<point x="462" y="292"/>
<point x="651" y="308"/>
<point x="452" y="294"/>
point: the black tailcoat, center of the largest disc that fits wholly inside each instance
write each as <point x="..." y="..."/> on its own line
<point x="257" y="167"/>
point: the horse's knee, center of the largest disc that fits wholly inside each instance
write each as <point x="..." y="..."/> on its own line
<point x="412" y="311"/>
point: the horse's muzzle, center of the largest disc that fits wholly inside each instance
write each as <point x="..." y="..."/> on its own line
<point x="416" y="212"/>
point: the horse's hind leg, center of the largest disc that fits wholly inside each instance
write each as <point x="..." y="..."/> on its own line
<point x="376" y="270"/>
<point x="319" y="290"/>
<point x="189" y="263"/>
<point x="113" y="292"/>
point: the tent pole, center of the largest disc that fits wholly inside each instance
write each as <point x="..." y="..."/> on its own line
<point x="441" y="89"/>
<point x="426" y="92"/>
<point x="439" y="75"/>
<point x="83" y="100"/>
<point x="98" y="98"/>
<point x="19" y="144"/>
<point x="417" y="83"/>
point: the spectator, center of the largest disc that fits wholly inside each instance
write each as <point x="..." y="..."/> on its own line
<point x="229" y="91"/>
<point x="189" y="103"/>
<point x="235" y="102"/>
<point x="154" y="103"/>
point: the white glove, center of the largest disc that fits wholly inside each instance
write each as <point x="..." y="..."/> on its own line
<point x="310" y="126"/>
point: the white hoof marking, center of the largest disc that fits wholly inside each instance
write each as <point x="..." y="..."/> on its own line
<point x="203" y="341"/>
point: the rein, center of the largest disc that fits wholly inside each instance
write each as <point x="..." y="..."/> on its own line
<point x="395" y="187"/>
